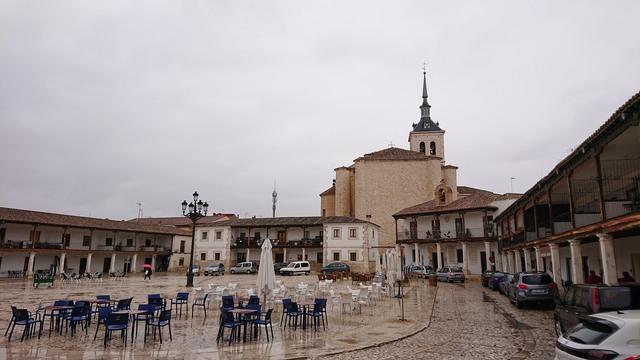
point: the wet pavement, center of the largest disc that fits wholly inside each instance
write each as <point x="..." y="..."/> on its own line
<point x="194" y="336"/>
<point x="472" y="322"/>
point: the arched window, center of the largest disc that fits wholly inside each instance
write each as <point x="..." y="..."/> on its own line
<point x="422" y="147"/>
<point x="442" y="196"/>
<point x="432" y="148"/>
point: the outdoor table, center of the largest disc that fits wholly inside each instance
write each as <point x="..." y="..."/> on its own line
<point x="305" y="308"/>
<point x="55" y="308"/>
<point x="242" y="313"/>
<point x="132" y="315"/>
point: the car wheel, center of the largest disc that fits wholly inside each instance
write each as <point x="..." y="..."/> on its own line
<point x="233" y="271"/>
<point x="307" y="273"/>
<point x="558" y="327"/>
<point x="518" y="303"/>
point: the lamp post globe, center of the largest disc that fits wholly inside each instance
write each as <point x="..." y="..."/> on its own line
<point x="197" y="210"/>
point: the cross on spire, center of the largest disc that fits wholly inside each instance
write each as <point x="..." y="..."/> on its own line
<point x="424" y="66"/>
<point x="391" y="144"/>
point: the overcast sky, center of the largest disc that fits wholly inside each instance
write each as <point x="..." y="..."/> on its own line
<point x="104" y="104"/>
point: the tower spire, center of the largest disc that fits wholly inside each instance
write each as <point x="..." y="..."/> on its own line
<point x="425" y="107"/>
<point x="274" y="199"/>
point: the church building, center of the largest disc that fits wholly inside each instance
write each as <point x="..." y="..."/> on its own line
<point x="381" y="183"/>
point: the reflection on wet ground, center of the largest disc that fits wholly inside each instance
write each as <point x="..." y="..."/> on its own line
<point x="194" y="336"/>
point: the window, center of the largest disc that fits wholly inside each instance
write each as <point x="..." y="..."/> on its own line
<point x="86" y="240"/>
<point x="459" y="256"/>
<point x="353" y="233"/>
<point x="336" y="256"/>
<point x="66" y="238"/>
<point x="336" y="233"/>
<point x="256" y="235"/>
<point x="353" y="256"/>
<point x="422" y="147"/>
<point x="243" y="235"/>
<point x="442" y="196"/>
<point x="147" y="242"/>
<point x="181" y="262"/>
<point x="108" y="242"/>
<point x="203" y="256"/>
<point x="216" y="256"/>
<point x="306" y="234"/>
<point x="129" y="242"/>
<point x="324" y="212"/>
<point x="204" y="235"/>
<point x="182" y="245"/>
<point x="218" y="235"/>
<point x="432" y="148"/>
<point x="3" y="233"/>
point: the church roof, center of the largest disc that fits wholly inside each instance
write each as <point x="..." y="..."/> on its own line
<point x="393" y="153"/>
<point x="476" y="199"/>
<point x="329" y="191"/>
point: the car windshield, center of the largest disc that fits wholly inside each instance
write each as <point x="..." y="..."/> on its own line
<point x="537" y="279"/>
<point x="590" y="332"/>
<point x="456" y="270"/>
<point x="614" y="298"/>
<point x="499" y="275"/>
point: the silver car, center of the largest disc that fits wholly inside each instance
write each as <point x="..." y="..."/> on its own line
<point x="532" y="287"/>
<point x="450" y="274"/>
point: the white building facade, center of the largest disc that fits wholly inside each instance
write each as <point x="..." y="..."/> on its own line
<point x="319" y="240"/>
<point x="32" y="241"/>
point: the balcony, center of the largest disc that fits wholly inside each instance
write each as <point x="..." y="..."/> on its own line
<point x="468" y="234"/>
<point x="257" y="243"/>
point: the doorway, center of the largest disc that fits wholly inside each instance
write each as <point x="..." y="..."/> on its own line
<point x="82" y="267"/>
<point x="279" y="257"/>
<point x="434" y="260"/>
<point x="483" y="261"/>
<point x="635" y="264"/>
<point x="106" y="265"/>
<point x="25" y="268"/>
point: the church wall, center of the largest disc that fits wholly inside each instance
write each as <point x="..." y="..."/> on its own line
<point x="343" y="192"/>
<point x="328" y="205"/>
<point x="450" y="176"/>
<point x="385" y="187"/>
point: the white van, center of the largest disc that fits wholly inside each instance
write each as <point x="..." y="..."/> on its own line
<point x="296" y="267"/>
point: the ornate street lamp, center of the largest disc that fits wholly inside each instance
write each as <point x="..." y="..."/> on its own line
<point x="197" y="210"/>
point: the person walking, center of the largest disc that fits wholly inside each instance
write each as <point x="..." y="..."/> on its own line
<point x="147" y="271"/>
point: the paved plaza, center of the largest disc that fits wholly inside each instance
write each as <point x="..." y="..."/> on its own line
<point x="447" y="322"/>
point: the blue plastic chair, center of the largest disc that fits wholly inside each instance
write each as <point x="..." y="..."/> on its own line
<point x="285" y="307"/>
<point x="181" y="299"/>
<point x="317" y="313"/>
<point x="293" y="312"/>
<point x="148" y="315"/>
<point x="228" y="322"/>
<point x="163" y="320"/>
<point x="266" y="321"/>
<point x="22" y="317"/>
<point x="254" y="300"/>
<point x="116" y="322"/>
<point x="103" y="314"/>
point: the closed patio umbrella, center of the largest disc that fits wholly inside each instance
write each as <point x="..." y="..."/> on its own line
<point x="378" y="266"/>
<point x="266" y="281"/>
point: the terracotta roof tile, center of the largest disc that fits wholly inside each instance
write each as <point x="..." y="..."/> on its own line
<point x="393" y="153"/>
<point x="182" y="220"/>
<point x="477" y="199"/>
<point x="45" y="218"/>
<point x="290" y="221"/>
<point x="329" y="191"/>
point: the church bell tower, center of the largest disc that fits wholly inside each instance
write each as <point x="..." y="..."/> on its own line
<point x="427" y="137"/>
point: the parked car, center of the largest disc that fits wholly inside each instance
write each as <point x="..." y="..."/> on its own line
<point x="296" y="267"/>
<point x="485" y="277"/>
<point x="247" y="267"/>
<point x="582" y="300"/>
<point x="195" y="269"/>
<point x="279" y="265"/>
<point x="609" y="335"/>
<point x="532" y="287"/>
<point x="505" y="283"/>
<point x="420" y="270"/>
<point x="495" y="280"/>
<point x="335" y="267"/>
<point x="450" y="274"/>
<point x="214" y="269"/>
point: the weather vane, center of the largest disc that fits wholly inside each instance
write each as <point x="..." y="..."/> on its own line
<point x="424" y="66"/>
